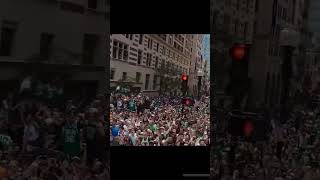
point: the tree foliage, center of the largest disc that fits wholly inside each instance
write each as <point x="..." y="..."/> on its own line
<point x="169" y="77"/>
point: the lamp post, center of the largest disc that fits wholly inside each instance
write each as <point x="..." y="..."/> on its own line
<point x="200" y="75"/>
<point x="288" y="42"/>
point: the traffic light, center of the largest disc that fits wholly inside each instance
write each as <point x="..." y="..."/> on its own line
<point x="238" y="52"/>
<point x="249" y="126"/>
<point x="239" y="80"/>
<point x="237" y="124"/>
<point x="184" y="77"/>
<point x="240" y="55"/>
<point x="187" y="102"/>
<point x="184" y="83"/>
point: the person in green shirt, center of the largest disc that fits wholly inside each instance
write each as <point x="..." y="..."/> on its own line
<point x="153" y="127"/>
<point x="132" y="106"/>
<point x="70" y="137"/>
<point x="5" y="141"/>
<point x="94" y="135"/>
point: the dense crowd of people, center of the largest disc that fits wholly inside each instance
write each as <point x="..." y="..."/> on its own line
<point x="44" y="139"/>
<point x="292" y="151"/>
<point x="139" y="120"/>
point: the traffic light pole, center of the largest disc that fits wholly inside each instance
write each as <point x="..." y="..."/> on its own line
<point x="199" y="86"/>
<point x="286" y="75"/>
<point x="240" y="54"/>
<point x="184" y="84"/>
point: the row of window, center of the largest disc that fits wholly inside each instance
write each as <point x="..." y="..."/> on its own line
<point x="8" y="39"/>
<point x="283" y="14"/>
<point x="313" y="61"/>
<point x="171" y="41"/>
<point x="179" y="38"/>
<point x="120" y="51"/>
<point x="137" y="78"/>
<point x="273" y="88"/>
<point x="130" y="36"/>
<point x="237" y="4"/>
<point x="189" y="36"/>
<point x="78" y="8"/>
<point x="163" y="36"/>
<point x="238" y="26"/>
<point x="178" y="47"/>
<point x="241" y="27"/>
<point x="274" y="50"/>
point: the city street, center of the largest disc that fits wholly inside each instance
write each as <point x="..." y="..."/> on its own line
<point x="267" y="83"/>
<point x="44" y="133"/>
<point x="159" y="121"/>
<point x="53" y="80"/>
<point x="291" y="151"/>
<point x="160" y="92"/>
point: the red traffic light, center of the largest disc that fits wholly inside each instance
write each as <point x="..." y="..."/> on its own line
<point x="248" y="128"/>
<point x="238" y="52"/>
<point x="184" y="77"/>
<point x="187" y="102"/>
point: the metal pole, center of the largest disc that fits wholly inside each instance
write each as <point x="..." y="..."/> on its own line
<point x="286" y="75"/>
<point x="199" y="86"/>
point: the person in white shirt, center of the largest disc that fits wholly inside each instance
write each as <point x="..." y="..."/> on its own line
<point x="26" y="84"/>
<point x="119" y="104"/>
<point x="31" y="133"/>
<point x="133" y="137"/>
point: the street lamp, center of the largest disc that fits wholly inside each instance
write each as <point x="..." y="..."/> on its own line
<point x="200" y="74"/>
<point x="288" y="41"/>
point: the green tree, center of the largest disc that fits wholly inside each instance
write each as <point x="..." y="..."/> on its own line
<point x="125" y="84"/>
<point x="169" y="80"/>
